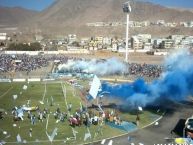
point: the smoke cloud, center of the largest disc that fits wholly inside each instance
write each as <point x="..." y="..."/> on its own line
<point x="176" y="83"/>
<point x="98" y="67"/>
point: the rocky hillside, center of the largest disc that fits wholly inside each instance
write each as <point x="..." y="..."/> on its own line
<point x="15" y="16"/>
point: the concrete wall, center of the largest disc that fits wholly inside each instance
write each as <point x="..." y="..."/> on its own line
<point x="25" y="80"/>
<point x="81" y="51"/>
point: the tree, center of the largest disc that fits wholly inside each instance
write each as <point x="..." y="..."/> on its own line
<point x="25" y="47"/>
<point x="35" y="46"/>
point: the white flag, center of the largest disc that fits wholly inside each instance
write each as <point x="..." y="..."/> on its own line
<point x="14" y="97"/>
<point x="19" y="138"/>
<point x="140" y="108"/>
<point x="24" y="87"/>
<point x="96" y="84"/>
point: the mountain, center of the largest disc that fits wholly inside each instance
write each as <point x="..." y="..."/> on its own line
<point x="82" y="11"/>
<point x="14" y="16"/>
<point x="182" y="9"/>
<point x="70" y="16"/>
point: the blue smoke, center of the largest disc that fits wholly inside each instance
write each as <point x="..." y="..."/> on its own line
<point x="174" y="84"/>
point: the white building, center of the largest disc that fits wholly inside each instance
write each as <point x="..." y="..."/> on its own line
<point x="114" y="47"/>
<point x="144" y="37"/>
<point x="177" y="37"/>
<point x="71" y="38"/>
<point x="187" y="42"/>
<point x="84" y="41"/>
<point x="160" y="22"/>
<point x="145" y="23"/>
<point x="147" y="46"/>
<point x="136" y="43"/>
<point x="99" y="24"/>
<point x="168" y="44"/>
<point x="171" y="24"/>
<point x="99" y="39"/>
<point x="157" y="41"/>
<point x="190" y="24"/>
<point x="39" y="37"/>
<point x="107" y="41"/>
<point x="3" y="36"/>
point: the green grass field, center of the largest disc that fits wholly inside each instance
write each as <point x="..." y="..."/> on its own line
<point x="35" y="92"/>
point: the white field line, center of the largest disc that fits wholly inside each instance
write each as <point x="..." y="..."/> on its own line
<point x="127" y="132"/>
<point x="45" y="91"/>
<point x="63" y="140"/>
<point x="47" y="126"/>
<point x="6" y="92"/>
<point x="40" y="141"/>
<point x="47" y="122"/>
<point x="74" y="92"/>
<point x="154" y="121"/>
<point x="88" y="130"/>
<point x="64" y="95"/>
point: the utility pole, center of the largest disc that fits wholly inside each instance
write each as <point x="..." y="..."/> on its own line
<point x="127" y="10"/>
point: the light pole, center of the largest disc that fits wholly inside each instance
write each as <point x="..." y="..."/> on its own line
<point x="127" y="10"/>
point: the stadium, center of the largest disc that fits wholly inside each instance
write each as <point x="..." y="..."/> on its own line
<point x="43" y="101"/>
<point x="56" y="107"/>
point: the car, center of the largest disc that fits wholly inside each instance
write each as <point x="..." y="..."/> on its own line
<point x="189" y="127"/>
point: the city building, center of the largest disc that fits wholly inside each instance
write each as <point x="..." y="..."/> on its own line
<point x="71" y="38"/>
<point x="168" y="44"/>
<point x="187" y="42"/>
<point x="157" y="42"/>
<point x="177" y="40"/>
<point x="147" y="46"/>
<point x="136" y="43"/>
<point x="161" y="22"/>
<point x="144" y="37"/>
<point x="176" y="37"/>
<point x="171" y="24"/>
<point x="190" y="24"/>
<point x="84" y="41"/>
<point x="3" y="36"/>
<point x="39" y="37"/>
<point x="114" y="47"/>
<point x="107" y="41"/>
<point x="99" y="39"/>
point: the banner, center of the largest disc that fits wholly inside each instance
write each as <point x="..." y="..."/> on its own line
<point x="95" y="86"/>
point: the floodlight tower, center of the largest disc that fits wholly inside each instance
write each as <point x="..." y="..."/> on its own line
<point x="127" y="10"/>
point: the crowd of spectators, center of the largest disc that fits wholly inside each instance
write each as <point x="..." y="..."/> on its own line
<point x="145" y="70"/>
<point x="21" y="62"/>
<point x="29" y="63"/>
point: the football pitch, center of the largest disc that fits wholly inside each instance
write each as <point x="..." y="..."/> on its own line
<point x="52" y="95"/>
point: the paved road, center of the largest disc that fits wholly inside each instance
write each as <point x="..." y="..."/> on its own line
<point x="176" y="114"/>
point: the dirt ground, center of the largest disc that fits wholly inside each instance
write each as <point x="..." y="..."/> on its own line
<point x="134" y="57"/>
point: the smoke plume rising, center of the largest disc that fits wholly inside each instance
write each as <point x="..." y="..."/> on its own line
<point x="102" y="67"/>
<point x="176" y="83"/>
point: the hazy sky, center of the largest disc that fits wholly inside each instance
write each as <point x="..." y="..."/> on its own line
<point x="174" y="3"/>
<point x="29" y="4"/>
<point x="41" y="4"/>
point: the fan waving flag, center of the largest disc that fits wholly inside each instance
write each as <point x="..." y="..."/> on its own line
<point x="95" y="87"/>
